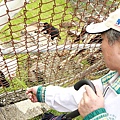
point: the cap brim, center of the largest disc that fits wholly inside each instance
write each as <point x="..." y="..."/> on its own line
<point x="97" y="28"/>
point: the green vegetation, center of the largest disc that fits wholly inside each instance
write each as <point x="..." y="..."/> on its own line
<point x="53" y="12"/>
<point x="55" y="113"/>
<point x="38" y="11"/>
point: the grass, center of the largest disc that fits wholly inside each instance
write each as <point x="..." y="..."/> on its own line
<point x="38" y="11"/>
<point x="56" y="114"/>
<point x="53" y="12"/>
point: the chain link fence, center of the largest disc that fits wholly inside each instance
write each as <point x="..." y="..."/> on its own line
<point x="44" y="42"/>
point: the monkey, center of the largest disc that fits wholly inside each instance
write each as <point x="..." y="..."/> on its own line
<point x="51" y="30"/>
<point x="3" y="81"/>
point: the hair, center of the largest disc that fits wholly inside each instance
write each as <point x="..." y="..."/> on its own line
<point x="112" y="36"/>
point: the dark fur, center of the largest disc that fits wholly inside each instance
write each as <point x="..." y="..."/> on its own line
<point x="51" y="30"/>
<point x="3" y="81"/>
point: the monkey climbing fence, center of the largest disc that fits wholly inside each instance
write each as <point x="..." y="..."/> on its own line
<point x="45" y="42"/>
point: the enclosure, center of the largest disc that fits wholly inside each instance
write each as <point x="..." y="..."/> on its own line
<point x="44" y="42"/>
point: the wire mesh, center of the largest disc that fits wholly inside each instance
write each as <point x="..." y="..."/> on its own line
<point x="44" y="42"/>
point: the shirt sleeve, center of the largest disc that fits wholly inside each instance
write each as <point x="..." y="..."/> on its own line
<point x="65" y="99"/>
<point x="99" y="114"/>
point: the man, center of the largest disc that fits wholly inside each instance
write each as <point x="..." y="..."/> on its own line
<point x="105" y="104"/>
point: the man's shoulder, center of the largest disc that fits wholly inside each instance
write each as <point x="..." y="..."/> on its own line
<point x="108" y="76"/>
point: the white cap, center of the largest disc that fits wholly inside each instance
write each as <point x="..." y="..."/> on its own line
<point x="113" y="21"/>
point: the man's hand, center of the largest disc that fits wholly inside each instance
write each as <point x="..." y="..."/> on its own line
<point x="31" y="93"/>
<point x="90" y="101"/>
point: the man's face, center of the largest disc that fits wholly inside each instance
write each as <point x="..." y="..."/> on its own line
<point x="111" y="53"/>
